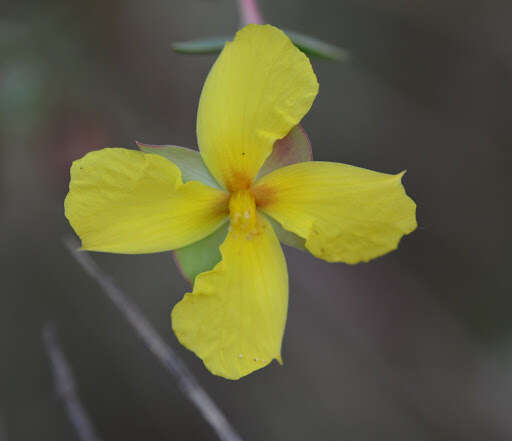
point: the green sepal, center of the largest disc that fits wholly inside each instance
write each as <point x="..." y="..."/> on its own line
<point x="294" y="147"/>
<point x="200" y="256"/>
<point x="203" y="255"/>
<point x="309" y="45"/>
<point x="287" y="237"/>
<point x="188" y="161"/>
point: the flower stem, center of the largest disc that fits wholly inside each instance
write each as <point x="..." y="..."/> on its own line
<point x="249" y="12"/>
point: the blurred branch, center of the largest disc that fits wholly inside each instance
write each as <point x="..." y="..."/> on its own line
<point x="65" y="385"/>
<point x="186" y="381"/>
<point x="249" y="12"/>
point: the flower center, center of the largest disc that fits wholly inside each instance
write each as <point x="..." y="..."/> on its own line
<point x="242" y="214"/>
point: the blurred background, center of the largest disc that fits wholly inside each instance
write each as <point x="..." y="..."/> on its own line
<point x="416" y="345"/>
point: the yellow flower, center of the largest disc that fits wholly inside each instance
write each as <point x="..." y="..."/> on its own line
<point x="125" y="201"/>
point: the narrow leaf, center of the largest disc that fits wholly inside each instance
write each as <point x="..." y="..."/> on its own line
<point x="310" y="45"/>
<point x="318" y="48"/>
<point x="201" y="46"/>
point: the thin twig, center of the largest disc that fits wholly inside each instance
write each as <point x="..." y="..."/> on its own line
<point x="65" y="385"/>
<point x="186" y="381"/>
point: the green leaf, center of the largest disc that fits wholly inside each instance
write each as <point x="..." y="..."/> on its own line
<point x="200" y="256"/>
<point x="294" y="147"/>
<point x="201" y="46"/>
<point x="309" y="45"/>
<point x="318" y="48"/>
<point x="188" y="161"/>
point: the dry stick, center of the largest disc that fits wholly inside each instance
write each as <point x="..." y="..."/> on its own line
<point x="186" y="381"/>
<point x="65" y="385"/>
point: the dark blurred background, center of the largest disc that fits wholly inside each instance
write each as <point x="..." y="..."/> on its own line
<point x="416" y="345"/>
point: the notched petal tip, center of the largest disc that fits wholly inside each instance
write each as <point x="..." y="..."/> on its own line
<point x="347" y="214"/>
<point x="233" y="367"/>
<point x="413" y="221"/>
<point x="380" y="230"/>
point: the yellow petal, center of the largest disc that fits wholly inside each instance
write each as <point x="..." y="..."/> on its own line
<point x="345" y="213"/>
<point x="258" y="89"/>
<point x="235" y="317"/>
<point x="124" y="201"/>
